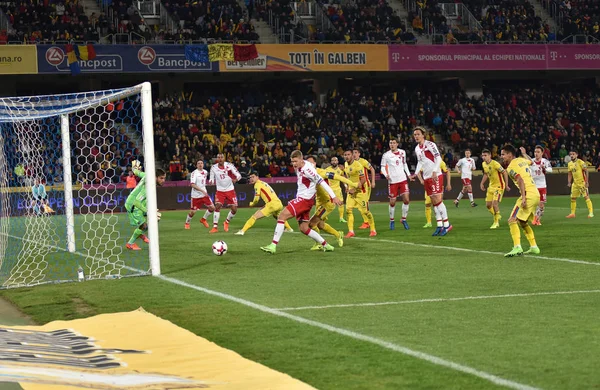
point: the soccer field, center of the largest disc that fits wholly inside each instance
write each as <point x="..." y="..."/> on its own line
<point x="403" y="310"/>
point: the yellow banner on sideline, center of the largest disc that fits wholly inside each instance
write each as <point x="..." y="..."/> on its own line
<point x="134" y="350"/>
<point x="18" y="59"/>
<point x="313" y="57"/>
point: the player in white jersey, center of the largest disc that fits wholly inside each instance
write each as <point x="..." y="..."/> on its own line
<point x="199" y="194"/>
<point x="465" y="166"/>
<point x="308" y="180"/>
<point x="429" y="161"/>
<point x="224" y="174"/>
<point x="395" y="169"/>
<point x="539" y="168"/>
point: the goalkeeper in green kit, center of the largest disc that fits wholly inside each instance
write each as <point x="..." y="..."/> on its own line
<point x="136" y="205"/>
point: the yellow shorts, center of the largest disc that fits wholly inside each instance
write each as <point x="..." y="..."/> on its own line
<point x="323" y="210"/>
<point x="272" y="208"/>
<point x="524" y="214"/>
<point x="578" y="190"/>
<point x="494" y="194"/>
<point x="360" y="201"/>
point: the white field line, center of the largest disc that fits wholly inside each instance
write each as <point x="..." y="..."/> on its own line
<point x="348" y="333"/>
<point x="358" y="336"/>
<point x="429" y="300"/>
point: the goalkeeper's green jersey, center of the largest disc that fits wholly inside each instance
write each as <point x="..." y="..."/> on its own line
<point x="137" y="197"/>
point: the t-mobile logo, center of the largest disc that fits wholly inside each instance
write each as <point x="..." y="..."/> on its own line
<point x="553" y="55"/>
<point x="395" y="57"/>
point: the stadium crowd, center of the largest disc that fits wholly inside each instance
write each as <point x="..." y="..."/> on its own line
<point x="579" y="17"/>
<point x="258" y="131"/>
<point x="364" y="20"/>
<point x="49" y="21"/>
<point x="210" y="19"/>
<point x="501" y="20"/>
<point x="263" y="130"/>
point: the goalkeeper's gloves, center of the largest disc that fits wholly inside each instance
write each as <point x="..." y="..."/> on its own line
<point x="136" y="164"/>
<point x="158" y="215"/>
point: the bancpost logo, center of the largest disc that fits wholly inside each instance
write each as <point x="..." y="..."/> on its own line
<point x="171" y="62"/>
<point x="56" y="57"/>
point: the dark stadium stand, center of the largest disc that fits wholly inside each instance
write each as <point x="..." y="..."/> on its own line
<point x="266" y="128"/>
<point x="363" y="21"/>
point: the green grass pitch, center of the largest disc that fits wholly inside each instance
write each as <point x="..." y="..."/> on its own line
<point x="393" y="303"/>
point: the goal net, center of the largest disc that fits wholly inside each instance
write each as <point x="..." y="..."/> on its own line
<point x="63" y="166"/>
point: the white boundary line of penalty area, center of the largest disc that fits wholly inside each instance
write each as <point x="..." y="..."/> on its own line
<point x="434" y="300"/>
<point x="453" y="248"/>
<point x="358" y="336"/>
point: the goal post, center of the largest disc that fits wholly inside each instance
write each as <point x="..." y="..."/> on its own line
<point x="63" y="161"/>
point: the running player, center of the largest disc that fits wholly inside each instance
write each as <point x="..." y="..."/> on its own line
<point x="308" y="180"/>
<point x="524" y="210"/>
<point x="324" y="204"/>
<point x="369" y="181"/>
<point x="200" y="196"/>
<point x="498" y="177"/>
<point x="359" y="197"/>
<point x="448" y="174"/>
<point x="224" y="174"/>
<point x="465" y="166"/>
<point x="272" y="207"/>
<point x="335" y="184"/>
<point x="429" y="161"/>
<point x="539" y="168"/>
<point x="579" y="182"/>
<point x="395" y="169"/>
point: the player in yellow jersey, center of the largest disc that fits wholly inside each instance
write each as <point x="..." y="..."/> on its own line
<point x="369" y="181"/>
<point x="519" y="172"/>
<point x="357" y="198"/>
<point x="448" y="174"/>
<point x="324" y="206"/>
<point x="498" y="178"/>
<point x="335" y="184"/>
<point x="272" y="207"/>
<point x="579" y="183"/>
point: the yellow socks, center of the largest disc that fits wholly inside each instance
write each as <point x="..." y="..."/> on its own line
<point x="428" y="213"/>
<point x="249" y="223"/>
<point x="497" y="217"/>
<point x="491" y="211"/>
<point x="327" y="228"/>
<point x="287" y="225"/>
<point x="573" y="206"/>
<point x="515" y="233"/>
<point x="350" y="219"/>
<point x="588" y="202"/>
<point x="529" y="235"/>
<point x="371" y="220"/>
<point x="341" y="211"/>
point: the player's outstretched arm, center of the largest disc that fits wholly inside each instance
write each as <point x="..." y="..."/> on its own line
<point x="341" y="179"/>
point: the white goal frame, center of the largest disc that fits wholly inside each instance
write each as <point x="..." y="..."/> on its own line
<point x="29" y="111"/>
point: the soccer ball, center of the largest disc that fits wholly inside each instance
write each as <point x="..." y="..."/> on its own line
<point x="219" y="248"/>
